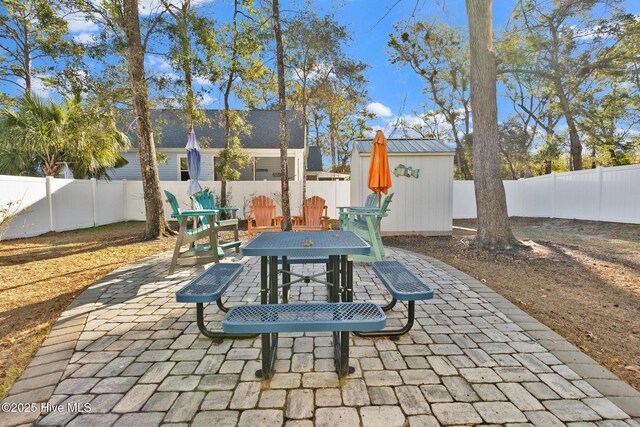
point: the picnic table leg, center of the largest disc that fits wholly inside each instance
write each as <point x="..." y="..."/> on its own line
<point x="286" y="278"/>
<point x="343" y="278"/>
<point x="273" y="280"/>
<point x="269" y="350"/>
<point x="264" y="277"/>
<point x="334" y="262"/>
<point x="341" y="353"/>
<point x="394" y="332"/>
<point x="215" y="336"/>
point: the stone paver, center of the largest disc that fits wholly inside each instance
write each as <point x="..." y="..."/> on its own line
<point x="126" y="353"/>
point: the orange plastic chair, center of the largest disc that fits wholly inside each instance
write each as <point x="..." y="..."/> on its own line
<point x="262" y="216"/>
<point x="314" y="215"/>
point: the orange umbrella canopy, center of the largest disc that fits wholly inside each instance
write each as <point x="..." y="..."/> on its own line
<point x="379" y="173"/>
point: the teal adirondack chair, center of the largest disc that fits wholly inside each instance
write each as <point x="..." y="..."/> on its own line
<point x="206" y="200"/>
<point x="196" y="253"/>
<point x="365" y="222"/>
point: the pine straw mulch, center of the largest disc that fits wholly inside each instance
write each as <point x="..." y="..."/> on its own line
<point x="580" y="278"/>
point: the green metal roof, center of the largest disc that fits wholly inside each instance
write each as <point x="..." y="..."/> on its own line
<point x="406" y="145"/>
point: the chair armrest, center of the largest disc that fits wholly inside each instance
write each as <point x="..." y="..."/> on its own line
<point x="277" y="220"/>
<point x="200" y="212"/>
<point x="297" y="220"/>
<point x="227" y="209"/>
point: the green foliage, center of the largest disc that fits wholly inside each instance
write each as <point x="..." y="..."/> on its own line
<point x="439" y="54"/>
<point x="232" y="157"/>
<point x="569" y="61"/>
<point x="32" y="41"/>
<point x="38" y="136"/>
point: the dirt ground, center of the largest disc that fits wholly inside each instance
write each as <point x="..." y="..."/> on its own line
<point x="580" y="278"/>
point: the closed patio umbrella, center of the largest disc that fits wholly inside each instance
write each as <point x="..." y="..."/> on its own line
<point x="193" y="163"/>
<point x="379" y="173"/>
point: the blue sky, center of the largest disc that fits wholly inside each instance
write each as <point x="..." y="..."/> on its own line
<point x="393" y="91"/>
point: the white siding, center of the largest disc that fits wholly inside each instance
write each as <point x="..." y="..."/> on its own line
<point x="420" y="205"/>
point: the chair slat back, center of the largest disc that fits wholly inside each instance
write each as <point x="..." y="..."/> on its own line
<point x="264" y="211"/>
<point x="173" y="202"/>
<point x="204" y="200"/>
<point x="372" y="201"/>
<point x="385" y="204"/>
<point x="313" y="209"/>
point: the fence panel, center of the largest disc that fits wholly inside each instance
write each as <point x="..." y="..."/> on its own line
<point x="29" y="195"/>
<point x="464" y="200"/>
<point x="72" y="201"/>
<point x="576" y="195"/>
<point x="537" y="196"/>
<point x="607" y="194"/>
<point x="109" y="202"/>
<point x="620" y="194"/>
<point x="336" y="193"/>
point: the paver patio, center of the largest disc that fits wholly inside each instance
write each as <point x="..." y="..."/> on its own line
<point x="134" y="355"/>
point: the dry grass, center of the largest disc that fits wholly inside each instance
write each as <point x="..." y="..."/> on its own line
<point x="40" y="276"/>
<point x="580" y="278"/>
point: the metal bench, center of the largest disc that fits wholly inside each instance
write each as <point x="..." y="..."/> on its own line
<point x="270" y="319"/>
<point x="207" y="287"/>
<point x="403" y="285"/>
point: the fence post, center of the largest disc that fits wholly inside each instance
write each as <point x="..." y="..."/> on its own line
<point x="48" y="185"/>
<point x="124" y="200"/>
<point x="553" y="200"/>
<point x="600" y="171"/>
<point x="94" y="195"/>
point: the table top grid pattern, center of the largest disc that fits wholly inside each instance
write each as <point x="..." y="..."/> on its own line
<point x="306" y="243"/>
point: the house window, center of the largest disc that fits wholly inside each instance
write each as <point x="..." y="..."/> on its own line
<point x="184" y="169"/>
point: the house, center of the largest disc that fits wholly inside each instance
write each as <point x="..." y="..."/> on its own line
<point x="262" y="145"/>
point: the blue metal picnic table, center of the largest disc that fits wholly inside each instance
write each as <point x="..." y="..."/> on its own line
<point x="336" y="245"/>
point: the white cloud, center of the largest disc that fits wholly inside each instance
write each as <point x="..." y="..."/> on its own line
<point x="39" y="87"/>
<point x="158" y="63"/>
<point x="207" y="100"/>
<point x="380" y="110"/>
<point x="151" y="7"/>
<point x="79" y="24"/>
<point x="203" y="81"/>
<point x="83" y="38"/>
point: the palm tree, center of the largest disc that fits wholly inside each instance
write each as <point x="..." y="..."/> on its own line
<point x="38" y="137"/>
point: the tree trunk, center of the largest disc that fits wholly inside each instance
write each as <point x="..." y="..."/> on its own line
<point x="156" y="223"/>
<point x="574" y="137"/>
<point x="186" y="64"/>
<point x="494" y="230"/>
<point x="282" y="104"/>
<point x="224" y="165"/>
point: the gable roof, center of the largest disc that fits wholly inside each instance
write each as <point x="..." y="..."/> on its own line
<point x="169" y="129"/>
<point x="406" y="145"/>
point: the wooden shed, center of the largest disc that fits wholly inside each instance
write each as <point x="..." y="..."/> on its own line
<point x="422" y="180"/>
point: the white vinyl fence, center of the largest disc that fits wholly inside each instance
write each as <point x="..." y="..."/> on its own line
<point x="600" y="194"/>
<point x="49" y="204"/>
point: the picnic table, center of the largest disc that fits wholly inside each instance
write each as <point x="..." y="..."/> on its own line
<point x="340" y="319"/>
<point x="335" y="246"/>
